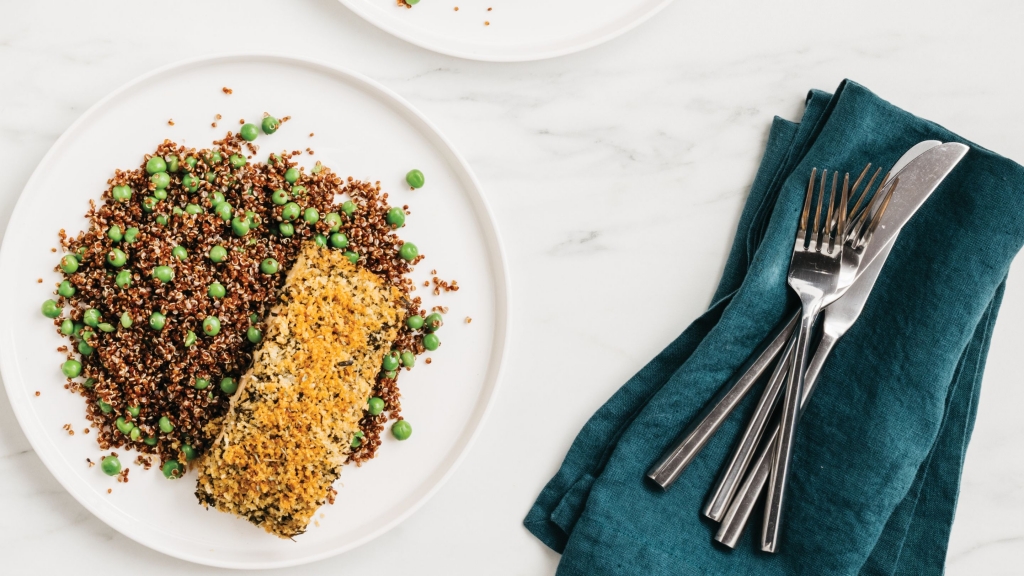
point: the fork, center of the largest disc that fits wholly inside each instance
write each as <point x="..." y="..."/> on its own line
<point x="729" y="479"/>
<point x="814" y="276"/>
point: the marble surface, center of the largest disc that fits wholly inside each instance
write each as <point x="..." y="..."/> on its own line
<point x="619" y="170"/>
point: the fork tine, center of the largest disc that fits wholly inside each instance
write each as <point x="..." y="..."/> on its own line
<point x="856" y="184"/>
<point x="815" y="244"/>
<point x="828" y="218"/>
<point x="881" y="210"/>
<point x="802" y="232"/>
<point x="865" y="216"/>
<point x="841" y="235"/>
<point x="853" y="213"/>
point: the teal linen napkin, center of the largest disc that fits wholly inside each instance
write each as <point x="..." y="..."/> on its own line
<point x="878" y="455"/>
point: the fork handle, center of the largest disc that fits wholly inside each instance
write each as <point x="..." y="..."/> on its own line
<point x="742" y="505"/>
<point x="667" y="469"/>
<point x="732" y="474"/>
<point x="787" y="430"/>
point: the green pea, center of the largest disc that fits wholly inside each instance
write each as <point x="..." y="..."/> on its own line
<point x="71" y="368"/>
<point x="320" y="240"/>
<point x="268" y="266"/>
<point x="160" y="194"/>
<point x="134" y="411"/>
<point x="239" y="226"/>
<point x="434" y="321"/>
<point x="172" y="470"/>
<point x="179" y="252"/>
<point x="317" y="167"/>
<point x="89" y="383"/>
<point x="189" y="452"/>
<point x="274" y="159"/>
<point x="87" y="334"/>
<point x="131" y="234"/>
<point x="110" y="465"/>
<point x="431" y="341"/>
<point x="161" y="180"/>
<point x="149" y="204"/>
<point x="200" y="383"/>
<point x="408" y="251"/>
<point x="172" y="163"/>
<point x="216" y="290"/>
<point x="286" y="229"/>
<point x="349" y="208"/>
<point x="104" y="407"/>
<point x="85" y="350"/>
<point x="92" y="317"/>
<point x="333" y="219"/>
<point x="357" y="439"/>
<point x="280" y="197"/>
<point x="191" y="161"/>
<point x="391" y="374"/>
<point x="415" y="178"/>
<point x="211" y="177"/>
<point x="290" y="211"/>
<point x="291" y="175"/>
<point x="254" y="335"/>
<point x="211" y="326"/>
<point x="69" y="264"/>
<point x="190" y="339"/>
<point x="157" y="321"/>
<point x="249" y="132"/>
<point x="123" y="426"/>
<point x="177" y="211"/>
<point x="215" y="199"/>
<point x="390" y="362"/>
<point x="162" y="219"/>
<point x="156" y="164"/>
<point x="237" y="160"/>
<point x="253" y="220"/>
<point x="408" y="359"/>
<point x="311" y="215"/>
<point x="214" y="158"/>
<point x="106" y="327"/>
<point x="123" y="279"/>
<point x="150" y="441"/>
<point x="126" y="320"/>
<point x="190" y="183"/>
<point x="163" y="273"/>
<point x="193" y="209"/>
<point x="80" y="253"/>
<point x="224" y="210"/>
<point x="67" y="327"/>
<point x="135" y="434"/>
<point x="218" y="253"/>
<point x="228" y="385"/>
<point x="253" y="318"/>
<point x="353" y="257"/>
<point x="339" y="240"/>
<point x="396" y="217"/>
<point x="165" y="425"/>
<point x="270" y="125"/>
<point x="401" y="430"/>
<point x="121" y="193"/>
<point x="114" y="233"/>
<point x="51" y="309"/>
<point x="415" y="322"/>
<point x="376" y="405"/>
<point x="298" y="190"/>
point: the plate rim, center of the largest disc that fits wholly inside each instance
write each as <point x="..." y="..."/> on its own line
<point x="42" y="444"/>
<point x="356" y="7"/>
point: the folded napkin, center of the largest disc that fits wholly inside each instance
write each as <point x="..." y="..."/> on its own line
<point x="879" y="451"/>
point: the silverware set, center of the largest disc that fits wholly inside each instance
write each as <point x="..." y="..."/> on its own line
<point x="844" y="236"/>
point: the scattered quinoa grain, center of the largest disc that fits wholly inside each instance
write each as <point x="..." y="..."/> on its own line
<point x="227" y="90"/>
<point x="170" y="122"/>
<point x="469" y="320"/>
<point x="38" y="393"/>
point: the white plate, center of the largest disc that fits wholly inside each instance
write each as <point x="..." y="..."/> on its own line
<point x="518" y="30"/>
<point x="361" y="129"/>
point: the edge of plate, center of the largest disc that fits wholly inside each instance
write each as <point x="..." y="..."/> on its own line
<point x="502" y="303"/>
<point x="365" y="14"/>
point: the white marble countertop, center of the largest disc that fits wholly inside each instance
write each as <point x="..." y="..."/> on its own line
<point x="598" y="165"/>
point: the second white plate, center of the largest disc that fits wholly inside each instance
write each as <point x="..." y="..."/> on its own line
<point x="506" y="30"/>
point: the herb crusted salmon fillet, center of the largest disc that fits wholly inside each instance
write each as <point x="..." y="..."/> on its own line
<point x="297" y="410"/>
